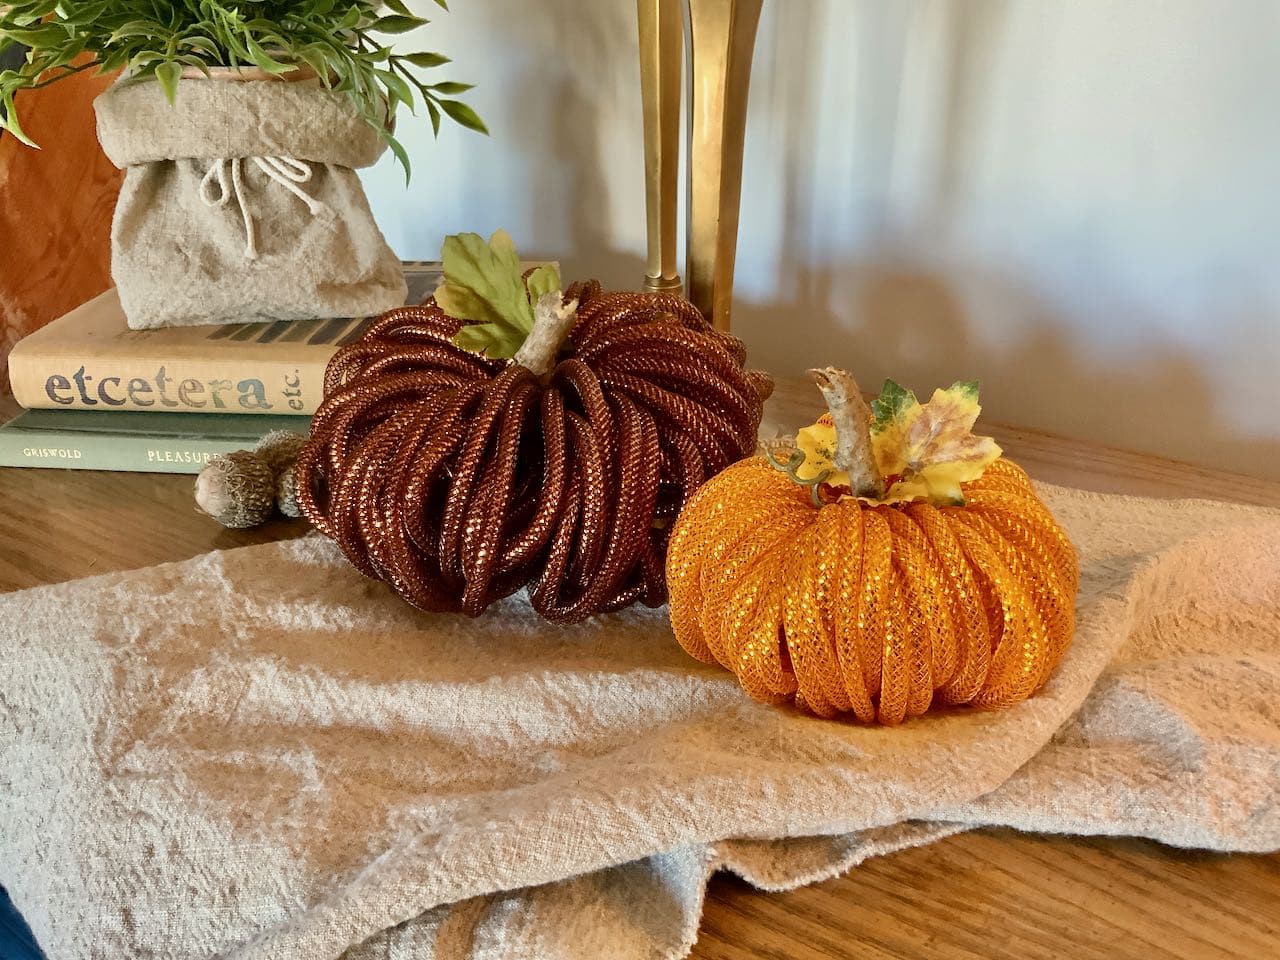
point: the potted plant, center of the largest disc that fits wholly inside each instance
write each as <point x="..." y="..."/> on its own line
<point x="240" y="200"/>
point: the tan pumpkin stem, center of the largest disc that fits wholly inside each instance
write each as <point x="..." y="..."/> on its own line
<point x="852" y="419"/>
<point x="552" y="321"/>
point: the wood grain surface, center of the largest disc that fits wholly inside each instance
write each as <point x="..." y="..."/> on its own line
<point x="56" y="205"/>
<point x="977" y="896"/>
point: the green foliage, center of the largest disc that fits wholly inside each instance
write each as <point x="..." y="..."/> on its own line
<point x="891" y="405"/>
<point x="896" y="400"/>
<point x="338" y="39"/>
<point x="483" y="285"/>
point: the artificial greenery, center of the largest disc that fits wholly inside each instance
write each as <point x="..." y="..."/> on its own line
<point x="485" y="285"/>
<point x="151" y="39"/>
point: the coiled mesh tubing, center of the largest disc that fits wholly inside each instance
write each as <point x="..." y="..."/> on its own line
<point x="875" y="611"/>
<point x="459" y="479"/>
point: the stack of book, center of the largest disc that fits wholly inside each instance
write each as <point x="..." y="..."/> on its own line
<point x="99" y="396"/>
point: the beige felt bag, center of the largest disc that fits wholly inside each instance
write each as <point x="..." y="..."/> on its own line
<point x="241" y="203"/>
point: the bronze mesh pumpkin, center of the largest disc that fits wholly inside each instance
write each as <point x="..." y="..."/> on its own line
<point x="460" y="480"/>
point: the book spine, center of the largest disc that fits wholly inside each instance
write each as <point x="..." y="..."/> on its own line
<point x="124" y="453"/>
<point x="42" y="382"/>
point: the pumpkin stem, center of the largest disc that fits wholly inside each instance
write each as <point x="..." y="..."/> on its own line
<point x="852" y="419"/>
<point x="552" y="321"/>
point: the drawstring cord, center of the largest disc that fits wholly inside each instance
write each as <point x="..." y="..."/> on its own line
<point x="286" y="171"/>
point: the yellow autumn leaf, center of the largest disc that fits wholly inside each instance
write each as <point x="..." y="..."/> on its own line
<point x="818" y="444"/>
<point x="928" y="450"/>
<point x="922" y="451"/>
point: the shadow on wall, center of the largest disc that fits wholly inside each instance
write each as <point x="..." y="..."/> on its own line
<point x="916" y="330"/>
<point x="1073" y="202"/>
<point x="573" y="193"/>
<point x="884" y="262"/>
<point x="573" y="71"/>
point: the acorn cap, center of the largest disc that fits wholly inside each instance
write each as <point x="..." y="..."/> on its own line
<point x="280" y="449"/>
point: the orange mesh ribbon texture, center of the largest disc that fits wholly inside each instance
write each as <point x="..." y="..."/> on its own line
<point x="877" y="611"/>
<point x="459" y="480"/>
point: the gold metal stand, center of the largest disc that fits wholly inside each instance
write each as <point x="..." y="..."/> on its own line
<point x="661" y="55"/>
<point x="722" y="39"/>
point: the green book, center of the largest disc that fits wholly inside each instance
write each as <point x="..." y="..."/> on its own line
<point x="132" y="442"/>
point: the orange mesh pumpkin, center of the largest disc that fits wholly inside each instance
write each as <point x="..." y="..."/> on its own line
<point x="875" y="610"/>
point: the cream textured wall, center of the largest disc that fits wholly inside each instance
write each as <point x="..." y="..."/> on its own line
<point x="1076" y="200"/>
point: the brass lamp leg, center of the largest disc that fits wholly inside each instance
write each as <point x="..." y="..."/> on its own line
<point x="722" y="34"/>
<point x="661" y="53"/>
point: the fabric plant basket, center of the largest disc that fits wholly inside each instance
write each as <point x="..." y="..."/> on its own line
<point x="241" y="203"/>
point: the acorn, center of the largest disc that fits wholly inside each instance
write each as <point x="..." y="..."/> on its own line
<point x="280" y="449"/>
<point x="237" y="489"/>
<point x="287" y="493"/>
<point x="242" y="489"/>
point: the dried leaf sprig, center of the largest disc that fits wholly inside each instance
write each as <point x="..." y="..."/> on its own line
<point x="897" y="451"/>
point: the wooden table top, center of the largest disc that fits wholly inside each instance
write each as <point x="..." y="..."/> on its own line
<point x="982" y="895"/>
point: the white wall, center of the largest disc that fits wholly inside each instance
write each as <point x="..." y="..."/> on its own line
<point x="1076" y="200"/>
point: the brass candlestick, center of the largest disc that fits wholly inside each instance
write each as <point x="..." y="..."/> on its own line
<point x="661" y="52"/>
<point x="722" y="39"/>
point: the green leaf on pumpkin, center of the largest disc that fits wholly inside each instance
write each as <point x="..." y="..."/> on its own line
<point x="891" y="405"/>
<point x="491" y="339"/>
<point x="543" y="280"/>
<point x="483" y="285"/>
